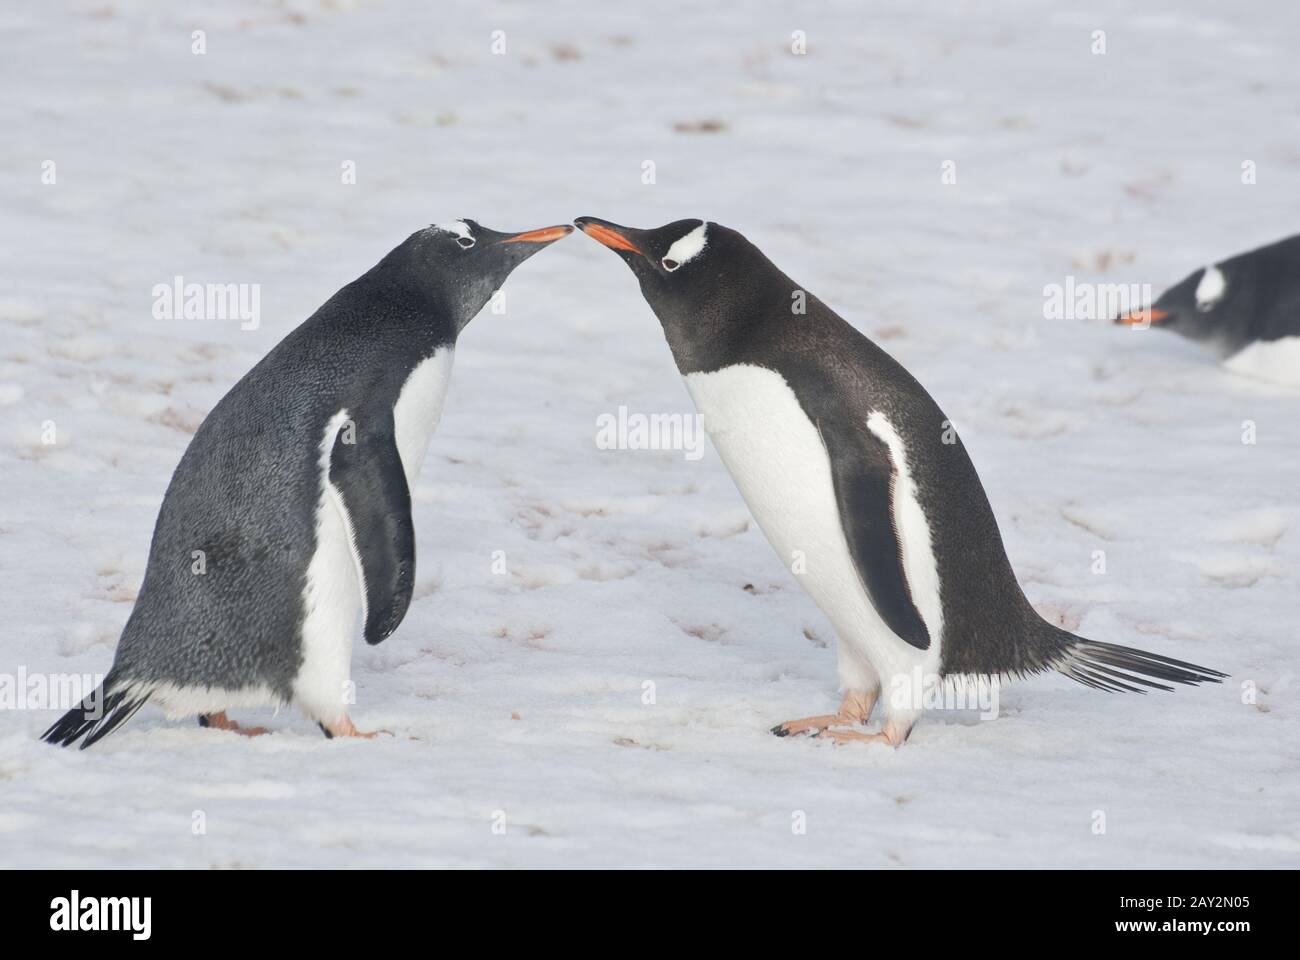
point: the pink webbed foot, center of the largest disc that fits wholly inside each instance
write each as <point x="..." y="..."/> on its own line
<point x="219" y="721"/>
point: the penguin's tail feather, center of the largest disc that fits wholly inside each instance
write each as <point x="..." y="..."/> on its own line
<point x="97" y="716"/>
<point x="1114" y="668"/>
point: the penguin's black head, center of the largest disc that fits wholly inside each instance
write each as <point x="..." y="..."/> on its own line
<point x="458" y="265"/>
<point x="705" y="282"/>
<point x="1210" y="305"/>
<point x="682" y="266"/>
<point x="668" y="258"/>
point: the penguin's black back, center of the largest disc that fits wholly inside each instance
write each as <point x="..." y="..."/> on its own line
<point x="1268" y="279"/>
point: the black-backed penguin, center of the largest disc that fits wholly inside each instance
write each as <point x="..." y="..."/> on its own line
<point x="1247" y="309"/>
<point x="290" y="511"/>
<point x="857" y="479"/>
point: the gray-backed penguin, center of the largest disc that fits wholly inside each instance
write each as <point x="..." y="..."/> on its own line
<point x="1246" y="309"/>
<point x="845" y="460"/>
<point x="290" y="512"/>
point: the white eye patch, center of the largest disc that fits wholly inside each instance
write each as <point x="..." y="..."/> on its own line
<point x="1211" y="288"/>
<point x="685" y="248"/>
<point x="461" y="231"/>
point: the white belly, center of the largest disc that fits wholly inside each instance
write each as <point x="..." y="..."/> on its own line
<point x="782" y="469"/>
<point x="419" y="408"/>
<point x="331" y="600"/>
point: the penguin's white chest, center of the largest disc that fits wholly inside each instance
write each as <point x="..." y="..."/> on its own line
<point x="332" y="595"/>
<point x="1277" y="361"/>
<point x="419" y="408"/>
<point x="783" y="471"/>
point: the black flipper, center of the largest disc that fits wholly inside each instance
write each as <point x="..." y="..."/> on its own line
<point x="369" y="476"/>
<point x="863" y="474"/>
<point x="95" y="717"/>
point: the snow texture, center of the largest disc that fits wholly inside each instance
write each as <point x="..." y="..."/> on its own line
<point x="517" y="698"/>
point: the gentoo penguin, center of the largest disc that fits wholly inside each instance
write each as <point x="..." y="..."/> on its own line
<point x="858" y="480"/>
<point x="290" y="512"/>
<point x="1247" y="309"/>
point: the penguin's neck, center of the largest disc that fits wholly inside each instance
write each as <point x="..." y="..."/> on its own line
<point x="706" y="333"/>
<point x="409" y="324"/>
<point x="723" y="327"/>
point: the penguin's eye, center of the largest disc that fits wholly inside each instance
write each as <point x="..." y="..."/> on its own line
<point x="465" y="242"/>
<point x="670" y="264"/>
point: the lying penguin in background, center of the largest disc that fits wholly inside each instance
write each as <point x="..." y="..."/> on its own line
<point x="1247" y="309"/>
<point x="297" y="491"/>
<point x="845" y="460"/>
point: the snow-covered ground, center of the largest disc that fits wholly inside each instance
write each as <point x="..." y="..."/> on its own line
<point x="517" y="698"/>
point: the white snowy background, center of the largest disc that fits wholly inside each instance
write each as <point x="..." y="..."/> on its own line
<point x="522" y="693"/>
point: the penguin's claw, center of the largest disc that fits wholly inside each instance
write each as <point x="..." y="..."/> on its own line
<point x="219" y="721"/>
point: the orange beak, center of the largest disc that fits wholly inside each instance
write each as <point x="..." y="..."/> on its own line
<point x="544" y="235"/>
<point x="1142" y="317"/>
<point x="610" y="238"/>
